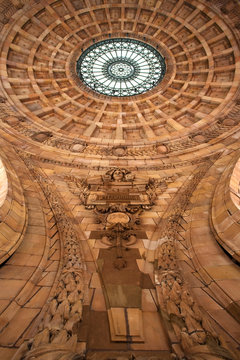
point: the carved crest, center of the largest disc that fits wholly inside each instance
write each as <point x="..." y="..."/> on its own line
<point x="117" y="199"/>
<point x="118" y="175"/>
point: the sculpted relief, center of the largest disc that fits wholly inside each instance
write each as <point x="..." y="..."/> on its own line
<point x="117" y="200"/>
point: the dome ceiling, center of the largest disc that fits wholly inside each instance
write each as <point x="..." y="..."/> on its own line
<point x="91" y="175"/>
<point x="192" y="105"/>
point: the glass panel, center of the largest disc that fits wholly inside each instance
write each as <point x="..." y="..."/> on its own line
<point x="121" y="67"/>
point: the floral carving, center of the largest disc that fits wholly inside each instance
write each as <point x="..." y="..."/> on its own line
<point x="197" y="338"/>
<point x="57" y="333"/>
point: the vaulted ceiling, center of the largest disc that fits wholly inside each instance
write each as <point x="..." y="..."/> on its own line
<point x="85" y="176"/>
<point x="192" y="107"/>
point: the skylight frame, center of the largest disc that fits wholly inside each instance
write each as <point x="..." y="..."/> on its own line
<point x="121" y="67"/>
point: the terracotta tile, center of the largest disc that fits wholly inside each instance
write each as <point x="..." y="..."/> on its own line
<point x="8" y="314"/>
<point x="39" y="299"/>
<point x="16" y="272"/>
<point x="24" y="259"/>
<point x="223" y="272"/>
<point x="153" y="332"/>
<point x="3" y="305"/>
<point x="11" y="288"/>
<point x="148" y="303"/>
<point x="7" y="353"/>
<point x="47" y="279"/>
<point x="95" y="281"/>
<point x="98" y="302"/>
<point x="230" y="325"/>
<point x="17" y="326"/>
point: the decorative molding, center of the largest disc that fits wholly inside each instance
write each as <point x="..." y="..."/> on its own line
<point x="190" y="326"/>
<point x="117" y="204"/>
<point x="222" y="126"/>
<point x="57" y="331"/>
<point x="162" y="166"/>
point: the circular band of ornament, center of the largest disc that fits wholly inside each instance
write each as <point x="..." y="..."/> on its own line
<point x="121" y="67"/>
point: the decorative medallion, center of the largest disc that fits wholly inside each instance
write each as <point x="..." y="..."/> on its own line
<point x="118" y="217"/>
<point x="121" y="67"/>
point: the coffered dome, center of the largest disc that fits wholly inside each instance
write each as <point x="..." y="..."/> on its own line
<point x="193" y="104"/>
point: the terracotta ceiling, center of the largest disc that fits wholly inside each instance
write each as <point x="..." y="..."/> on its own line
<point x="191" y="108"/>
<point x="119" y="217"/>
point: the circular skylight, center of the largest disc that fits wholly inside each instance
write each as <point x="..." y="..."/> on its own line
<point x="121" y="67"/>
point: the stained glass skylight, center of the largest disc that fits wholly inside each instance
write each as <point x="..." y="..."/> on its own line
<point x="121" y="67"/>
